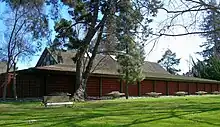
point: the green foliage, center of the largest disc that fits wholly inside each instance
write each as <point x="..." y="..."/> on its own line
<point x="95" y="23"/>
<point x="131" y="63"/>
<point x="169" y="61"/>
<point x="209" y="69"/>
<point x="212" y="44"/>
<point x="27" y="25"/>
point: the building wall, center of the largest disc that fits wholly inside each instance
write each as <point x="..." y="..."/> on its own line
<point x="38" y="85"/>
<point x="110" y="84"/>
<point x="6" y="78"/>
<point x="59" y="83"/>
<point x="93" y="87"/>
<point x="172" y="87"/>
<point x="146" y="86"/>
<point x="28" y="85"/>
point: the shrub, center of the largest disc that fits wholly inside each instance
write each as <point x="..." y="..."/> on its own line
<point x="201" y="92"/>
<point x="216" y="92"/>
<point x="181" y="93"/>
<point x="153" y="94"/>
<point x="116" y="94"/>
<point x="60" y="94"/>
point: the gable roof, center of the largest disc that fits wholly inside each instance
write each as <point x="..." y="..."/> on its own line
<point x="107" y="65"/>
<point x="101" y="62"/>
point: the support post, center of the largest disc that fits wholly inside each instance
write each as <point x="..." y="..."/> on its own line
<point x="167" y="88"/>
<point x="121" y="86"/>
<point x="100" y="87"/>
<point x="139" y="88"/>
<point x="188" y="88"/>
<point x="154" y="85"/>
<point x="196" y="86"/>
<point x="178" y="86"/>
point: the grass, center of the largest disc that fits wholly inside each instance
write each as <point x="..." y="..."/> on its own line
<point x="196" y="111"/>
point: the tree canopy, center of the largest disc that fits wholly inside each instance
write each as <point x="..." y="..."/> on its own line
<point x="169" y="62"/>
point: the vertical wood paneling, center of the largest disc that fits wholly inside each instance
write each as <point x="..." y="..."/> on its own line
<point x="214" y="87"/>
<point x="183" y="86"/>
<point x="93" y="87"/>
<point x="133" y="90"/>
<point x="161" y="87"/>
<point x="192" y="88"/>
<point x="173" y="87"/>
<point x="146" y="87"/>
<point x="208" y="88"/>
<point x="200" y="87"/>
<point x="109" y="85"/>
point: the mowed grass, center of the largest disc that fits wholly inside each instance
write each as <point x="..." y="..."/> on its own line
<point x="196" y="111"/>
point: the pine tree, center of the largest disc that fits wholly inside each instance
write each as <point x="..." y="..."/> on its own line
<point x="212" y="44"/>
<point x="131" y="64"/>
<point x="132" y="58"/>
<point x="169" y="61"/>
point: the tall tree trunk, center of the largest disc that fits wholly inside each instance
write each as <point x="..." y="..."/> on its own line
<point x="126" y="93"/>
<point x="5" y="84"/>
<point x="82" y="77"/>
<point x="79" y="93"/>
<point x="14" y="83"/>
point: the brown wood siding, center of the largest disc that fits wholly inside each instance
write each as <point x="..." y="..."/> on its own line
<point x="173" y="87"/>
<point x="92" y="88"/>
<point x="214" y="87"/>
<point x="109" y="85"/>
<point x="160" y="87"/>
<point x="28" y="86"/>
<point x="133" y="90"/>
<point x="183" y="86"/>
<point x="218" y="87"/>
<point x="208" y="88"/>
<point x="58" y="83"/>
<point x="192" y="88"/>
<point x="146" y="87"/>
<point x="201" y="87"/>
<point x="9" y="85"/>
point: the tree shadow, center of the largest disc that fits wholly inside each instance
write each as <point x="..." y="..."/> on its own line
<point x="50" y="117"/>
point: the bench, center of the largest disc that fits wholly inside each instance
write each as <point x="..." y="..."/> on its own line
<point x="56" y="100"/>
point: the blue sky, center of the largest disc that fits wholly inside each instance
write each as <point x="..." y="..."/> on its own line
<point x="183" y="46"/>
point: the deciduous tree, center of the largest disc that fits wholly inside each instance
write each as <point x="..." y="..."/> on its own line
<point x="26" y="24"/>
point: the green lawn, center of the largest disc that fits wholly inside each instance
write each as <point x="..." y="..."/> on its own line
<point x="196" y="111"/>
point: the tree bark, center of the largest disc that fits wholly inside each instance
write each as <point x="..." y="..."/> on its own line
<point x="82" y="77"/>
<point x="14" y="83"/>
<point x="5" y="84"/>
<point x="126" y="93"/>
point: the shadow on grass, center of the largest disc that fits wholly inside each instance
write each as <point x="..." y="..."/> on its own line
<point x="50" y="117"/>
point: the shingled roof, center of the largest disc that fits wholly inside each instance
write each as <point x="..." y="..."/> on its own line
<point x="102" y="63"/>
<point x="107" y="65"/>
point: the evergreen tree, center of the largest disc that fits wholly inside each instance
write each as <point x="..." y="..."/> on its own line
<point x="132" y="58"/>
<point x="209" y="69"/>
<point x="92" y="17"/>
<point x="131" y="63"/>
<point x="169" y="62"/>
<point x="212" y="44"/>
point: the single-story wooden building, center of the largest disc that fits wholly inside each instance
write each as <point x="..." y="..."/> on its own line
<point x="55" y="72"/>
